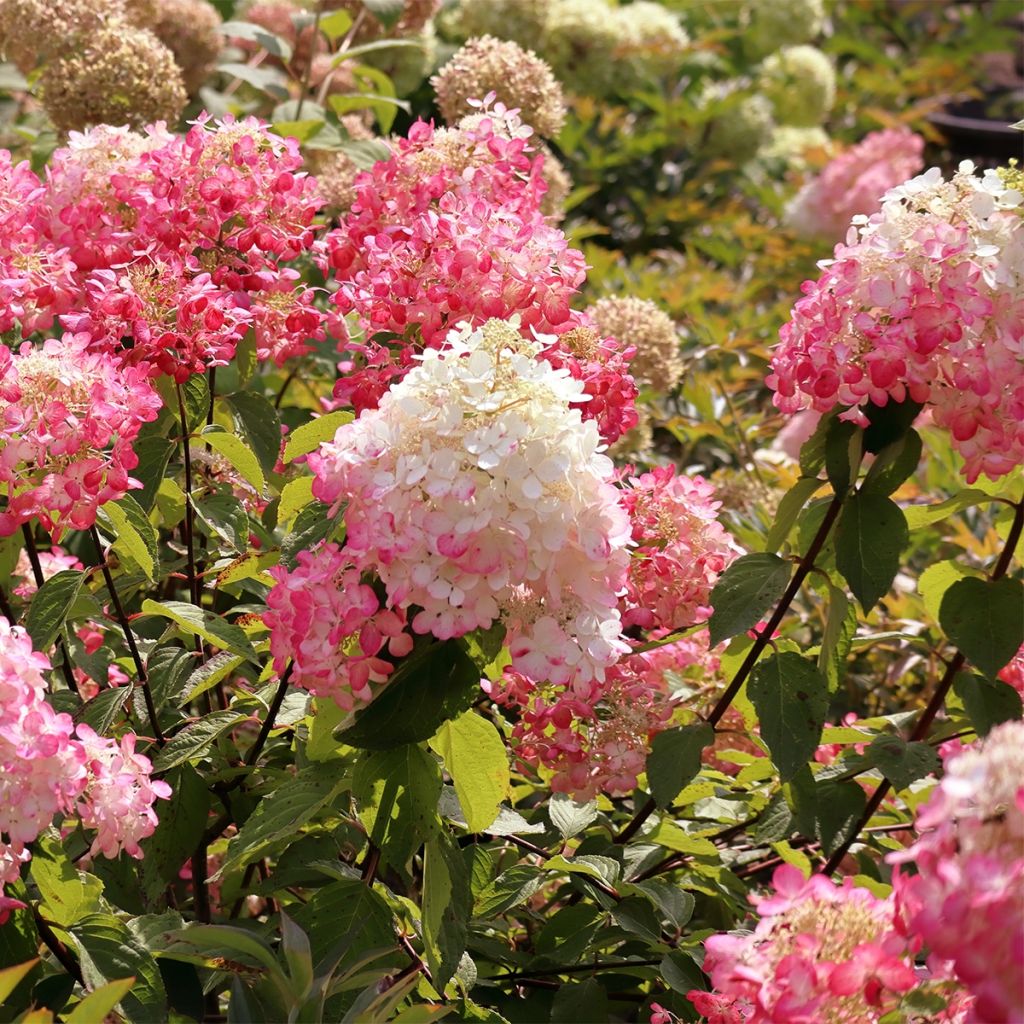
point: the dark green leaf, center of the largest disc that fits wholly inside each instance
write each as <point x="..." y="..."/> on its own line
<point x="791" y="699"/>
<point x="870" y="537"/>
<point x="397" y="791"/>
<point x="839" y="808"/>
<point x="812" y="454"/>
<point x="207" y="675"/>
<point x="985" y="619"/>
<point x="195" y="395"/>
<point x="196" y="739"/>
<point x="837" y="637"/>
<point x="346" y="910"/>
<point x="258" y="34"/>
<point x="133" y="533"/>
<point x="103" y="710"/>
<point x="751" y="586"/>
<point x="311" y="526"/>
<point x="674" y="760"/>
<point x="636" y="915"/>
<point x="50" y="606"/>
<point x="776" y="823"/>
<point x="259" y="424"/>
<point x="676" y="905"/>
<point x="447" y="905"/>
<point x="989" y="702"/>
<point x="168" y="668"/>
<point x="789" y="508"/>
<point x="154" y="453"/>
<point x="182" y="820"/>
<point x="900" y="762"/>
<point x="109" y="952"/>
<point x="843" y="453"/>
<point x="508" y="890"/>
<point x="428" y="688"/>
<point x="207" y="625"/>
<point x="387" y="12"/>
<point x="580" y="1001"/>
<point x="894" y="464"/>
<point x="67" y="894"/>
<point x="888" y="423"/>
<point x="224" y="520"/>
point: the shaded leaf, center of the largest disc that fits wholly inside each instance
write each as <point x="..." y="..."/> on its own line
<point x="985" y="619"/>
<point x="870" y="536"/>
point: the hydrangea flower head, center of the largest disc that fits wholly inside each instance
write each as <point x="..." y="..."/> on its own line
<point x="477" y="492"/>
<point x="925" y="302"/>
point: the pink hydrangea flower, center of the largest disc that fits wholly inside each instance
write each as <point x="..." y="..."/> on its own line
<point x="1013" y="673"/>
<point x="855" y="182"/>
<point x="68" y="418"/>
<point x="818" y="952"/>
<point x="965" y="900"/>
<point x="681" y="549"/>
<point x="924" y="302"/>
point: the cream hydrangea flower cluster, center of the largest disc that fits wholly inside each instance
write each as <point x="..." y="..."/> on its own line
<point x="476" y="492"/>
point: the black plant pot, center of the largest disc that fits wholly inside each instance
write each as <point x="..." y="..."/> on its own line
<point x="974" y="133"/>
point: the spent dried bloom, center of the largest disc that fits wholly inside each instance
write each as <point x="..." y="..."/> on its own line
<point x="800" y="83"/>
<point x="639" y="322"/>
<point x="477" y="493"/>
<point x="772" y="24"/>
<point x="924" y="302"/>
<point x="190" y="29"/>
<point x="118" y="75"/>
<point x="965" y="900"/>
<point x="68" y="418"/>
<point x="523" y="21"/>
<point x="558" y="183"/>
<point x="855" y="182"/>
<point x="518" y="77"/>
<point x="37" y="30"/>
<point x="819" y="952"/>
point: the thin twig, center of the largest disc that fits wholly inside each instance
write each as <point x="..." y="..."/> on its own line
<point x="129" y="636"/>
<point x="268" y="722"/>
<point x="37" y="572"/>
<point x="189" y="521"/>
<point x="57" y="948"/>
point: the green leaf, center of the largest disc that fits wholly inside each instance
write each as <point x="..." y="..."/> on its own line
<point x="569" y="817"/>
<point x="195" y="396"/>
<point x="238" y="453"/>
<point x="311" y="526"/>
<point x="751" y="586"/>
<point x="580" y="1001"/>
<point x="933" y="583"/>
<point x="280" y="815"/>
<point x="181" y="823"/>
<point x="790" y="696"/>
<point x="604" y="869"/>
<point x="843" y="453"/>
<point x="206" y="625"/>
<point x="96" y="1005"/>
<point x="11" y="977"/>
<point x="154" y="453"/>
<point x="265" y="79"/>
<point x="508" y="890"/>
<point x="838" y="806"/>
<point x="812" y="453"/>
<point x="926" y="515"/>
<point x="387" y="12"/>
<point x="900" y="762"/>
<point x="837" y="637"/>
<point x="674" y="760"/>
<point x="109" y="952"/>
<point x="335" y="24"/>
<point x="208" y="675"/>
<point x="447" y="905"/>
<point x="985" y="619"/>
<point x="134" y="536"/>
<point x="224" y="518"/>
<point x="307" y="438"/>
<point x="870" y="537"/>
<point x="196" y="739"/>
<point x="209" y="943"/>
<point x="297" y="494"/>
<point x="433" y="685"/>
<point x="385" y="108"/>
<point x="989" y="702"/>
<point x="259" y="424"/>
<point x="894" y="464"/>
<point x="475" y="758"/>
<point x="397" y="791"/>
<point x="50" y="606"/>
<point x="676" y="905"/>
<point x="102" y="711"/>
<point x="346" y="913"/>
<point x="168" y="668"/>
<point x="67" y="894"/>
<point x="789" y="508"/>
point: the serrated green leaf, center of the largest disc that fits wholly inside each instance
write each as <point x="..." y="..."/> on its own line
<point x="919" y="516"/>
<point x="508" y="890"/>
<point x="839" y="807"/>
<point x="933" y="583"/>
<point x="133" y="534"/>
<point x="894" y="464"/>
<point x="238" y="453"/>
<point x="985" y="619"/>
<point x="900" y="762"/>
<point x="789" y="508"/>
<point x="153" y="453"/>
<point x="259" y="424"/>
<point x="568" y="816"/>
<point x="837" y="637"/>
<point x="195" y="740"/>
<point x="254" y="33"/>
<point x="50" y="606"/>
<point x="989" y="702"/>
<point x="297" y="494"/>
<point x="447" y="905"/>
<point x="397" y="791"/>
<point x="843" y="453"/>
<point x="751" y="586"/>
<point x="208" y="675"/>
<point x="474" y="756"/>
<point x="97" y="1004"/>
<point x="207" y="625"/>
<point x="307" y="438"/>
<point x="280" y="815"/>
<point x="870" y="537"/>
<point x="428" y="688"/>
<point x="102" y="711"/>
<point x="67" y="894"/>
<point x="182" y="820"/>
<point x="195" y="396"/>
<point x="791" y="699"/>
<point x="674" y="760"/>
